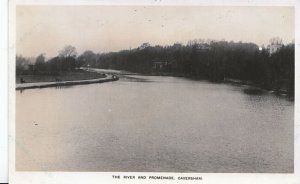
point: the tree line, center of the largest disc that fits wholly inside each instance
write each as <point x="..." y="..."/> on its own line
<point x="204" y="59"/>
<point x="65" y="61"/>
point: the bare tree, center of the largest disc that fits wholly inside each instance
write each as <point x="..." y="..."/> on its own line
<point x="144" y="45"/>
<point x="275" y="41"/>
<point x="40" y="62"/>
<point x="275" y="44"/>
<point x="68" y="51"/>
<point x="40" y="59"/>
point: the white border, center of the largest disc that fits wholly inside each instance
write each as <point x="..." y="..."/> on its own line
<point x="161" y="2"/>
<point x="297" y="92"/>
<point x="3" y="93"/>
<point x="106" y="177"/>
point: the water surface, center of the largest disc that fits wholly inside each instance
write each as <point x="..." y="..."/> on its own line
<point x="158" y="124"/>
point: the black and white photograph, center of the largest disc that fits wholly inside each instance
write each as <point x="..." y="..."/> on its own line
<point x="156" y="89"/>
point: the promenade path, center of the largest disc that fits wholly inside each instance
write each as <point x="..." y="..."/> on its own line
<point x="65" y="83"/>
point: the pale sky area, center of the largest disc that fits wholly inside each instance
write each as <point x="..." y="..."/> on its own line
<point x="47" y="29"/>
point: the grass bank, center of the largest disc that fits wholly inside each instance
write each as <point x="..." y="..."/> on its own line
<point x="63" y="76"/>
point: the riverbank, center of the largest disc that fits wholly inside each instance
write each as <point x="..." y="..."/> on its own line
<point x="23" y="86"/>
<point x="54" y="77"/>
<point x="257" y="89"/>
<point x="252" y="87"/>
<point x="66" y="79"/>
<point x="109" y="71"/>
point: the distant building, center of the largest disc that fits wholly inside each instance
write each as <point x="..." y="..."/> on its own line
<point x="159" y="65"/>
<point x="275" y="45"/>
<point x="273" y="48"/>
<point x="203" y="47"/>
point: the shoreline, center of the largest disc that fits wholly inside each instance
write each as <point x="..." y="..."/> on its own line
<point x="258" y="88"/>
<point x="113" y="75"/>
<point x="46" y="76"/>
<point x="108" y="78"/>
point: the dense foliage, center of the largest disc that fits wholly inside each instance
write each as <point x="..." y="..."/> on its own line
<point x="215" y="61"/>
<point x="212" y="60"/>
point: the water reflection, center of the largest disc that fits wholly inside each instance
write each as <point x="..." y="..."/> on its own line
<point x="167" y="125"/>
<point x="253" y="91"/>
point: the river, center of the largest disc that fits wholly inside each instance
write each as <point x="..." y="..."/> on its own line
<point x="153" y="124"/>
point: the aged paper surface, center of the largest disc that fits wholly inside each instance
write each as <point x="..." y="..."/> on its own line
<point x="153" y="92"/>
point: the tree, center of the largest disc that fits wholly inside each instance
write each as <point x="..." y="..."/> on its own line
<point x="21" y="62"/>
<point x="67" y="56"/>
<point x="275" y="41"/>
<point x="40" y="59"/>
<point x="40" y="62"/>
<point x="275" y="44"/>
<point x="144" y="45"/>
<point x="68" y="51"/>
<point x="88" y="57"/>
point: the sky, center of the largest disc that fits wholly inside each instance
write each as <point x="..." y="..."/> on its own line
<point x="47" y="29"/>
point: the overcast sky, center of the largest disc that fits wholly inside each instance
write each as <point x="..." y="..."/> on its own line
<point x="47" y="29"/>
